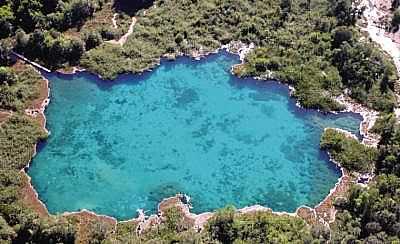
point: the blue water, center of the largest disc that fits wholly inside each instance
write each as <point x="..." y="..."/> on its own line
<point x="189" y="127"/>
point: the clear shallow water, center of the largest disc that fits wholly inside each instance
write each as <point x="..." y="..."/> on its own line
<point x="188" y="126"/>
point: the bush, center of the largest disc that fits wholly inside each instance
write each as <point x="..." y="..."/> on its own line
<point x="396" y="18"/>
<point x="6" y="20"/>
<point x="54" y="49"/>
<point x="92" y="39"/>
<point x="227" y="226"/>
<point x="18" y="88"/>
<point x="5" y="51"/>
<point x="370" y="214"/>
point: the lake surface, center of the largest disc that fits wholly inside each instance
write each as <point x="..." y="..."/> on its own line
<point x="186" y="127"/>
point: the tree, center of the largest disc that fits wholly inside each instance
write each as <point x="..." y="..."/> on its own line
<point x="50" y="6"/>
<point x="92" y="39"/>
<point x="7" y="233"/>
<point x="76" y="49"/>
<point x="351" y="154"/>
<point x="36" y="44"/>
<point x="286" y="8"/>
<point x="340" y="35"/>
<point x="7" y="76"/>
<point x="396" y="18"/>
<point x="395" y="4"/>
<point x="77" y="11"/>
<point x="5" y="50"/>
<point x="6" y="20"/>
<point x="344" y="11"/>
<point x="179" y="38"/>
<point x="221" y="226"/>
<point x="27" y="13"/>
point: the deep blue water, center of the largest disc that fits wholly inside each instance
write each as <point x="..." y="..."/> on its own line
<point x="189" y="127"/>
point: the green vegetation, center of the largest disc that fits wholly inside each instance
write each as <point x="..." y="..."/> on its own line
<point x="334" y="59"/>
<point x="18" y="137"/>
<point x="227" y="226"/>
<point x="372" y="214"/>
<point x="5" y="50"/>
<point x="312" y="45"/>
<point x="53" y="48"/>
<point x="18" y="87"/>
<point x="260" y="227"/>
<point x="37" y="14"/>
<point x="56" y="33"/>
<point x="348" y="151"/>
<point x="396" y="18"/>
<point x="18" y="223"/>
<point x="367" y="74"/>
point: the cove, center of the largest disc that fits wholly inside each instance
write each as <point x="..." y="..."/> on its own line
<point x="186" y="127"/>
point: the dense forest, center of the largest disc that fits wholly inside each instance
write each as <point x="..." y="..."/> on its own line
<point x="314" y="45"/>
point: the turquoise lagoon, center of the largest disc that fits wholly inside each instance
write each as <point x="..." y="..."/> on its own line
<point x="186" y="127"/>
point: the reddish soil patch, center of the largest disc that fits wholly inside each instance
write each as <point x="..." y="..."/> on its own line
<point x="43" y="94"/>
<point x="37" y="104"/>
<point x="19" y="65"/>
<point x="326" y="209"/>
<point x="168" y="203"/>
<point x="28" y="194"/>
<point x="308" y="214"/>
<point x="4" y="115"/>
<point x="30" y="197"/>
<point x="325" y="212"/>
<point x="89" y="224"/>
<point x="66" y="70"/>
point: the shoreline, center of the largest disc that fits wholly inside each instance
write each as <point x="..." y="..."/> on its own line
<point x="323" y="212"/>
<point x="369" y="118"/>
<point x="30" y="195"/>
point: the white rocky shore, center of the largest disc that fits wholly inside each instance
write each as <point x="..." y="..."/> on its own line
<point x="369" y="118"/>
<point x="375" y="11"/>
<point x="372" y="20"/>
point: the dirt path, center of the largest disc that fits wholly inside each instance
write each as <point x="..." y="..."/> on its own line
<point x="124" y="38"/>
<point x="114" y="21"/>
